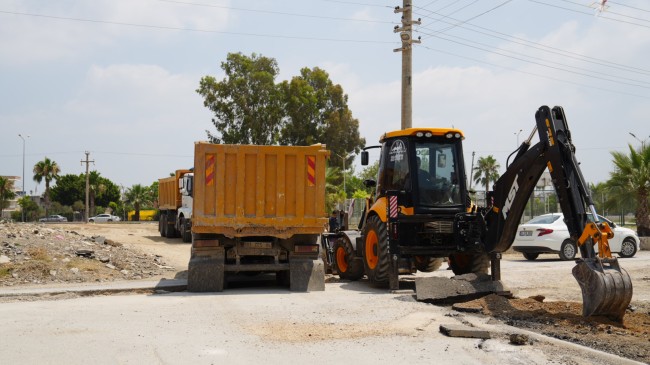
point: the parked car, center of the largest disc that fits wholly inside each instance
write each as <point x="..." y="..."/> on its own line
<point x="53" y="218"/>
<point x="101" y="218"/>
<point x="548" y="234"/>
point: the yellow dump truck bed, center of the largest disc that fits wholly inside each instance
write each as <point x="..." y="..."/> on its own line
<point x="244" y="190"/>
<point x="169" y="196"/>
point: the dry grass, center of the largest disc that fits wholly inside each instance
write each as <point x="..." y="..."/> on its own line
<point x="35" y="267"/>
<point x="5" y="270"/>
<point x="39" y="254"/>
<point x="84" y="264"/>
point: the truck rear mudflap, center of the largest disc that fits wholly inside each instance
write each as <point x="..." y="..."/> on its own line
<point x="606" y="287"/>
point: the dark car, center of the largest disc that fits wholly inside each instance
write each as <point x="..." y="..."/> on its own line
<point x="53" y="218"/>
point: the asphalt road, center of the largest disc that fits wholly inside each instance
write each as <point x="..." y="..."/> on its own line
<point x="257" y="322"/>
<point x="254" y="321"/>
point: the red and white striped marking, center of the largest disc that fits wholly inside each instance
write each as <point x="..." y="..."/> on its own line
<point x="392" y="206"/>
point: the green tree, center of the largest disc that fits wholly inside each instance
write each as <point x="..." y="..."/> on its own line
<point x="486" y="171"/>
<point x="6" y="192"/>
<point x="316" y="111"/>
<point x="47" y="170"/>
<point x="631" y="175"/>
<point x="246" y="103"/>
<point x="70" y="188"/>
<point x="138" y="195"/>
<point x="30" y="208"/>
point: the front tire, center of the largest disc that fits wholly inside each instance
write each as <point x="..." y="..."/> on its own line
<point x="531" y="256"/>
<point x="375" y="258"/>
<point x="428" y="264"/>
<point x="628" y="248"/>
<point x="568" y="250"/>
<point x="462" y="263"/>
<point x="347" y="265"/>
<point x="186" y="234"/>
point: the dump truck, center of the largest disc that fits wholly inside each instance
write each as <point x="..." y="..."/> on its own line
<point x="257" y="209"/>
<point x="175" y="205"/>
<point x="422" y="213"/>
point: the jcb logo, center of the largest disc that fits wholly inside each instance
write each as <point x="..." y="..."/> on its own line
<point x="511" y="198"/>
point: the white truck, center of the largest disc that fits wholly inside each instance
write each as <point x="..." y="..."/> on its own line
<point x="175" y="205"/>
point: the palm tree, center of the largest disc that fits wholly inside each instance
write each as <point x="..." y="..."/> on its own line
<point x="47" y="170"/>
<point x="486" y="171"/>
<point x="632" y="175"/>
<point x="6" y="192"/>
<point x="138" y="195"/>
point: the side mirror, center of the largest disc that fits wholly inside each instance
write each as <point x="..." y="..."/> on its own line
<point x="369" y="183"/>
<point x="364" y="158"/>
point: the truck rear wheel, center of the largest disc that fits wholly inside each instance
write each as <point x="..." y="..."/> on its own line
<point x="163" y="225"/>
<point x="375" y="258"/>
<point x="428" y="264"/>
<point x="348" y="266"/>
<point x="476" y="263"/>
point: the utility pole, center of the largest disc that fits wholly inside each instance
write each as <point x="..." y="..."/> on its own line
<point x="87" y="162"/>
<point x="406" y="35"/>
<point x="23" y="192"/>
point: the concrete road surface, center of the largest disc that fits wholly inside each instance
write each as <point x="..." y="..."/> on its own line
<point x="349" y="323"/>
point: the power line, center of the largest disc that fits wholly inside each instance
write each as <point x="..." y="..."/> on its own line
<point x="539" y="46"/>
<point x="474" y="17"/>
<point x="608" y="11"/>
<point x="537" y="61"/>
<point x="582" y="12"/>
<point x="162" y="27"/>
<point x="536" y="75"/>
<point x="277" y="12"/>
<point x="631" y="7"/>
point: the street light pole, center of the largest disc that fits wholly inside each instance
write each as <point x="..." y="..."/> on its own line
<point x="23" y="192"/>
<point x="517" y="134"/>
<point x="640" y="141"/>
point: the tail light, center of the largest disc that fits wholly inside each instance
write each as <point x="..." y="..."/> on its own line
<point x="543" y="231"/>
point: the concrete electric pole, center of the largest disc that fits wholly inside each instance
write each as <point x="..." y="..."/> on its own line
<point x="406" y="35"/>
<point x="87" y="162"/>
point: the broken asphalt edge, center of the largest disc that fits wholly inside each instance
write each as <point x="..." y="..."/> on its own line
<point x="171" y="285"/>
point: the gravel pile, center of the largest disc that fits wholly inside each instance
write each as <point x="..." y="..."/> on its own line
<point x="48" y="253"/>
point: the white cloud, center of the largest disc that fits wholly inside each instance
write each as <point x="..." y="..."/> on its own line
<point x="48" y="31"/>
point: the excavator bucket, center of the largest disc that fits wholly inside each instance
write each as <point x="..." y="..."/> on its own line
<point x="606" y="287"/>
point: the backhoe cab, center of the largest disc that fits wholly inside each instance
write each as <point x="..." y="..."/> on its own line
<point x="422" y="213"/>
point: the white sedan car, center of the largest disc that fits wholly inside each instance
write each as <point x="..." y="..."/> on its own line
<point x="101" y="218"/>
<point x="548" y="234"/>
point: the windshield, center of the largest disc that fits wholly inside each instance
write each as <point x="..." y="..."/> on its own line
<point x="437" y="174"/>
<point x="544" y="219"/>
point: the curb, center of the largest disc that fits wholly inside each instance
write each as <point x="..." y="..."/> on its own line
<point x="174" y="285"/>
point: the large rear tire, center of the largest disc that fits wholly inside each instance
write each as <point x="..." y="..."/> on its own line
<point x="428" y="264"/>
<point x="163" y="225"/>
<point x="376" y="259"/>
<point x="476" y="263"/>
<point x="348" y="266"/>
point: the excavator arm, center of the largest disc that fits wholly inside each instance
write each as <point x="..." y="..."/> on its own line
<point x="606" y="288"/>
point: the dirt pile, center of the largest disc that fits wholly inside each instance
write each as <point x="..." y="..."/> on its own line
<point x="564" y="320"/>
<point x="49" y="253"/>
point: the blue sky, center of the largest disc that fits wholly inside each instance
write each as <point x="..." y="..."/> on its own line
<point x="118" y="77"/>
